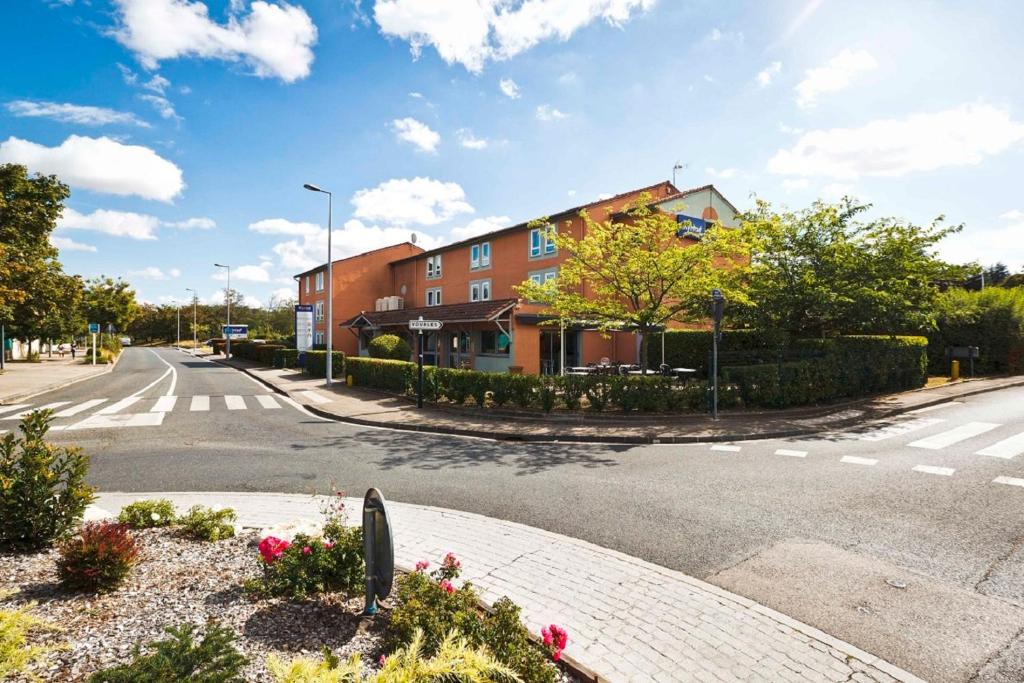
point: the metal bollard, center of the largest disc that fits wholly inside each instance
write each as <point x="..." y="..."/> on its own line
<point x="954" y="371"/>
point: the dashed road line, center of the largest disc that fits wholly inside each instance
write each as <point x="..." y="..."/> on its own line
<point x="955" y="435"/>
<point x="1011" y="481"/>
<point x="1006" y="449"/>
<point x="726" y="448"/>
<point x="929" y="469"/>
<point x="854" y="460"/>
<point x="791" y="453"/>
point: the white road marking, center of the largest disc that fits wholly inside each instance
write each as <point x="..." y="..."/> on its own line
<point x="4" y="431"/>
<point x="235" y="402"/>
<point x="164" y="404"/>
<point x="267" y="401"/>
<point x="854" y="460"/>
<point x="929" y="469"/>
<point x="955" y="435"/>
<point x="48" y="406"/>
<point x="791" y="453"/>
<point x="119" y="406"/>
<point x="174" y="373"/>
<point x="1011" y="481"/>
<point x="898" y="429"/>
<point x="99" y="421"/>
<point x="312" y="397"/>
<point x="7" y="409"/>
<point x="1006" y="449"/>
<point x="200" y="404"/>
<point x="299" y="407"/>
<point x="80" y="408"/>
<point x="940" y="406"/>
<point x="729" y="449"/>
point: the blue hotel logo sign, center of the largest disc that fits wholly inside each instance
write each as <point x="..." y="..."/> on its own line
<point x="691" y="226"/>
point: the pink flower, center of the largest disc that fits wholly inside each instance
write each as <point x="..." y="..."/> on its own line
<point x="307" y="550"/>
<point x="451" y="561"/>
<point x="272" y="548"/>
<point x="546" y="633"/>
<point x="422" y="565"/>
<point x="383" y="660"/>
<point x="447" y="586"/>
<point x="328" y="544"/>
<point x="557" y="655"/>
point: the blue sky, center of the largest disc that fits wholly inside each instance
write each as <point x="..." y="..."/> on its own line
<point x="186" y="128"/>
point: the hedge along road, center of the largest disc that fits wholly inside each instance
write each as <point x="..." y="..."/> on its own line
<point x="764" y="519"/>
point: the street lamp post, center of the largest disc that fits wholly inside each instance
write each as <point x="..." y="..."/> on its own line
<point x="227" y="297"/>
<point x="717" y="309"/>
<point x="330" y="283"/>
<point x="195" y="332"/>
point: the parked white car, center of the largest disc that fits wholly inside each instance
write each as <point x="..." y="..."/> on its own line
<point x="126" y="341"/>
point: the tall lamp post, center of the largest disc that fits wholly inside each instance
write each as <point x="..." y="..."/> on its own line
<point x="330" y="284"/>
<point x="717" y="309"/>
<point x="195" y="332"/>
<point x="227" y="297"/>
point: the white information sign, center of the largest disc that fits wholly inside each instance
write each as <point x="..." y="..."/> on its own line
<point x="303" y="327"/>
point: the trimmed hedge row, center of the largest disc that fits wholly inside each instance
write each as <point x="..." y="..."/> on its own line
<point x="691" y="348"/>
<point x="316" y="363"/>
<point x="263" y="353"/>
<point x="286" y="358"/>
<point x="992" y="320"/>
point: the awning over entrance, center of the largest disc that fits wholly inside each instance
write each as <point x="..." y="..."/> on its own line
<point x="476" y="312"/>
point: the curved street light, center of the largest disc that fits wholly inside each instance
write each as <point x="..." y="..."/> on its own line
<point x="330" y="282"/>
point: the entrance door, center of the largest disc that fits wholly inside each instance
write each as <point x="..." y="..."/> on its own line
<point x="458" y="350"/>
<point x="551" y="351"/>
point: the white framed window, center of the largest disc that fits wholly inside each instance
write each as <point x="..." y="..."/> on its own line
<point x="480" y="290"/>
<point x="319" y="310"/>
<point x="541" y="243"/>
<point x="480" y="256"/>
<point x="434" y="267"/>
<point x="535" y="242"/>
<point x="318" y="338"/>
<point x="320" y="281"/>
<point x="549" y="243"/>
<point x="434" y="296"/>
<point x="307" y="284"/>
<point x="542" y="276"/>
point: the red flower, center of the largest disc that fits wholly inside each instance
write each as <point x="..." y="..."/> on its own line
<point x="422" y="565"/>
<point x="272" y="548"/>
<point x="447" y="586"/>
<point x="546" y="633"/>
<point x="557" y="655"/>
<point x="383" y="660"/>
<point x="307" y="550"/>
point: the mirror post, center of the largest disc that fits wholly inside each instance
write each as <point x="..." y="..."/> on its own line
<point x="369" y="537"/>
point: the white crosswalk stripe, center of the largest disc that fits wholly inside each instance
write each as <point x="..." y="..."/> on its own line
<point x="200" y="404"/>
<point x="955" y="435"/>
<point x="80" y="408"/>
<point x="791" y="453"/>
<point x="7" y="409"/>
<point x="164" y="404"/>
<point x="267" y="401"/>
<point x="235" y="402"/>
<point x="1011" y="481"/>
<point x="929" y="469"/>
<point x="119" y="406"/>
<point x="106" y="421"/>
<point x="312" y="397"/>
<point x="899" y="429"/>
<point x="726" y="448"/>
<point x="48" y="406"/>
<point x="1006" y="449"/>
<point x="854" y="460"/>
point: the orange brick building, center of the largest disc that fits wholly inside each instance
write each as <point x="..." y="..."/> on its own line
<point x="468" y="285"/>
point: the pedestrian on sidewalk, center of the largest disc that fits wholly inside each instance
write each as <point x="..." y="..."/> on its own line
<point x="73" y="349"/>
<point x="60" y="350"/>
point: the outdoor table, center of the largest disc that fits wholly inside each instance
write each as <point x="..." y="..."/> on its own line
<point x="644" y="372"/>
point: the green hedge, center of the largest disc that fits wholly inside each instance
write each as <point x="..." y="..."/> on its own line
<point x="691" y="348"/>
<point x="379" y="373"/>
<point x="316" y="364"/>
<point x="992" y="320"/>
<point x="286" y="358"/>
<point x="390" y="346"/>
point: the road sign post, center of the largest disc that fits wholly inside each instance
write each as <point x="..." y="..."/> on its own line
<point x="94" y="329"/>
<point x="419" y="326"/>
<point x="717" y="309"/>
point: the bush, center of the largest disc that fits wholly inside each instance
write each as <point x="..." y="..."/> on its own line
<point x="992" y="320"/>
<point x="547" y="393"/>
<point x="207" y="524"/>
<point x="99" y="558"/>
<point x="523" y="389"/>
<point x="502" y="388"/>
<point x="179" y="658"/>
<point x="456" y="385"/>
<point x="43" y="493"/>
<point x="598" y="391"/>
<point x="265" y="353"/>
<point x="310" y="566"/>
<point x="316" y="363"/>
<point x="430" y="607"/>
<point x="692" y="348"/>
<point x="573" y="388"/>
<point x="16" y="655"/>
<point x="147" y="514"/>
<point x="378" y="373"/>
<point x="391" y="347"/>
<point x="286" y="358"/>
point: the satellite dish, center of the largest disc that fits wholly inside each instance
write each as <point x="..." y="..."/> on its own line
<point x="413" y="238"/>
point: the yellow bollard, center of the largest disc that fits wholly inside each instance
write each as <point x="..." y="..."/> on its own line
<point x="348" y="380"/>
<point x="954" y="372"/>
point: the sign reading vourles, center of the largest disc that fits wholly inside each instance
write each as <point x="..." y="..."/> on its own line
<point x="304" y="327"/>
<point x="425" y="324"/>
<point x="236" y="331"/>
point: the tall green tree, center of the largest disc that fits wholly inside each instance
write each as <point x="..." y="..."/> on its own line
<point x="823" y="271"/>
<point x="110" y="302"/>
<point x="634" y="272"/>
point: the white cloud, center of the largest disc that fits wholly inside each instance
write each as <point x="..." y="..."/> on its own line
<point x="276" y="40"/>
<point x="248" y="273"/>
<point x="157" y="84"/>
<point x="135" y="226"/>
<point x="480" y="226"/>
<point x="68" y="244"/>
<point x="794" y="184"/>
<point x="281" y="226"/>
<point x="1012" y="215"/>
<point x="174" y="272"/>
<point x="470" y="141"/>
<point x="724" y="174"/>
<point x="74" y="113"/>
<point x="835" y="75"/>
<point x="768" y="74"/>
<point x="284" y="293"/>
<point x="789" y="130"/>
<point x="416" y="95"/>
<point x="154" y="273"/>
<point x="510" y="88"/>
<point x="546" y="112"/>
<point x="1001" y="243"/>
<point x="416" y="201"/>
<point x="162" y="105"/>
<point x="417" y="133"/>
<point x="715" y="34"/>
<point x="836" y="191"/>
<point x="355" y="237"/>
<point x="471" y="32"/>
<point x="101" y="165"/>
<point x="894" y="147"/>
<point x="191" y="224"/>
<point x="251" y="301"/>
<point x="299" y="254"/>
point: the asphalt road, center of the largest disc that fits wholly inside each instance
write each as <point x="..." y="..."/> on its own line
<point x="813" y="527"/>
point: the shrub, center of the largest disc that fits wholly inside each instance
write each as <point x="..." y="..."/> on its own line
<point x="573" y="388"/>
<point x="547" y="393"/>
<point x="992" y="320"/>
<point x="456" y="385"/>
<point x="692" y="348"/>
<point x="430" y="607"/>
<point x="99" y="558"/>
<point x="391" y="347"/>
<point x="16" y="655"/>
<point x="480" y="387"/>
<point x="523" y="389"/>
<point x="310" y="566"/>
<point x="265" y="353"/>
<point x="146" y="514"/>
<point x="501" y="388"/>
<point x="179" y="658"/>
<point x="598" y="392"/>
<point x="207" y="524"/>
<point x="43" y="493"/>
<point x="286" y="358"/>
<point x="316" y="363"/>
<point x="378" y="373"/>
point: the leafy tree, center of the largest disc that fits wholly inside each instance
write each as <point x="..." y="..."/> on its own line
<point x="110" y="302"/>
<point x="821" y="272"/>
<point x="634" y="271"/>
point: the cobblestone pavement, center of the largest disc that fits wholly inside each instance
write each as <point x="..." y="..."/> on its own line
<point x="628" y="620"/>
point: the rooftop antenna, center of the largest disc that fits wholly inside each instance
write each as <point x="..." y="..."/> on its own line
<point x="678" y="167"/>
<point x="413" y="238"/>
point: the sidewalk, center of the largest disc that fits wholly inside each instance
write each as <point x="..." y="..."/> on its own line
<point x="21" y="380"/>
<point x="367" y="407"/>
<point x="628" y="620"/>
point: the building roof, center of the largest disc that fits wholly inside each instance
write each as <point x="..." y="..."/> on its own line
<point x="478" y="311"/>
<point x="566" y="212"/>
<point x="695" y="190"/>
<point x="359" y="255"/>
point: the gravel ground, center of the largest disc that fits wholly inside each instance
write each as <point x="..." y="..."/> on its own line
<point x="178" y="581"/>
